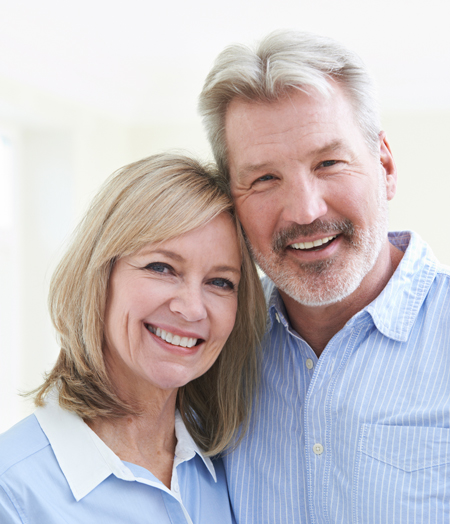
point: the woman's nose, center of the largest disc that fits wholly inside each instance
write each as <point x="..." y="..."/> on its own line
<point x="189" y="303"/>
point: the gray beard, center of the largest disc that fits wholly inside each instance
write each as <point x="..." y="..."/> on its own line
<point x="327" y="281"/>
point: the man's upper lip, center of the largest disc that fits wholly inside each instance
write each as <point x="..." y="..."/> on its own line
<point x="177" y="331"/>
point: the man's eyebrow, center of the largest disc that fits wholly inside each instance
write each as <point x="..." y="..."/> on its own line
<point x="248" y="169"/>
<point x="331" y="146"/>
<point x="335" y="145"/>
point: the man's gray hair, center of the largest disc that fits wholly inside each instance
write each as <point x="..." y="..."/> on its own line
<point x="285" y="60"/>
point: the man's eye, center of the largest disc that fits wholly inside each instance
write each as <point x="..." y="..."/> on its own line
<point x="222" y="283"/>
<point x="158" y="267"/>
<point x="264" y="178"/>
<point x="328" y="163"/>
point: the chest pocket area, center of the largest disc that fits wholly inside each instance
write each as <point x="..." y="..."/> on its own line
<point x="402" y="474"/>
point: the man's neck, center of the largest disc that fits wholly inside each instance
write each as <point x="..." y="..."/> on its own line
<point x="318" y="325"/>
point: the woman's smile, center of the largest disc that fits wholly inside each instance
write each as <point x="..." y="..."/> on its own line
<point x="171" y="307"/>
<point x="175" y="340"/>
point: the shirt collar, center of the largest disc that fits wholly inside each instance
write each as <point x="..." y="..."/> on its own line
<point x="85" y="460"/>
<point x="186" y="447"/>
<point x="395" y="310"/>
<point x="275" y="305"/>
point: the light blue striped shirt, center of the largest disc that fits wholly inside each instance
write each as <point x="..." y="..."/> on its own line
<point x="55" y="470"/>
<point x="361" y="435"/>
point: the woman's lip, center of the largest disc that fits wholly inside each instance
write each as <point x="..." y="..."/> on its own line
<point x="174" y="340"/>
<point x="175" y="331"/>
<point x="177" y="348"/>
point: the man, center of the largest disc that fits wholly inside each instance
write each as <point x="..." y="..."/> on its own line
<point x="353" y="419"/>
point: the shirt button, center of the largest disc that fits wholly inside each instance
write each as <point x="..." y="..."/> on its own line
<point x="318" y="449"/>
<point x="309" y="363"/>
<point x="176" y="488"/>
<point x="277" y="317"/>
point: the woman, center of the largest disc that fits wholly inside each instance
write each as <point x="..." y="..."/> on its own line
<point x="158" y="277"/>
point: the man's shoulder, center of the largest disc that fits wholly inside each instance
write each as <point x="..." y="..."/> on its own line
<point x="443" y="271"/>
<point x="440" y="288"/>
<point x="419" y="263"/>
<point x="21" y="442"/>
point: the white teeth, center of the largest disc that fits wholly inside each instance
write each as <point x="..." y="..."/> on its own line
<point x="175" y="340"/>
<point x="309" y="245"/>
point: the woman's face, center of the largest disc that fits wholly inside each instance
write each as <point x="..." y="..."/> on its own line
<point x="170" y="308"/>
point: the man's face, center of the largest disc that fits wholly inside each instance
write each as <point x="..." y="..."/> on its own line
<point x="310" y="194"/>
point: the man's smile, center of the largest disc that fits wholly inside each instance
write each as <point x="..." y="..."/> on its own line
<point x="315" y="245"/>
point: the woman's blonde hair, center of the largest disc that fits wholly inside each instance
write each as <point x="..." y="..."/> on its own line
<point x="149" y="201"/>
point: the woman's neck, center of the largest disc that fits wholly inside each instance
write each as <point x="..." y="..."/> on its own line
<point x="147" y="440"/>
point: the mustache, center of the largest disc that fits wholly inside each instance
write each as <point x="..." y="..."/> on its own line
<point x="284" y="237"/>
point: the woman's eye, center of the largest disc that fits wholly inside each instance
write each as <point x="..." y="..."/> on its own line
<point x="222" y="283"/>
<point x="158" y="267"/>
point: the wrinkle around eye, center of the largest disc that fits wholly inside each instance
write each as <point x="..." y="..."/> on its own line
<point x="265" y="178"/>
<point x="263" y="181"/>
<point x="331" y="167"/>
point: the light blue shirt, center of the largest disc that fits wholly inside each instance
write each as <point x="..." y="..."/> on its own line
<point x="360" y="435"/>
<point x="55" y="470"/>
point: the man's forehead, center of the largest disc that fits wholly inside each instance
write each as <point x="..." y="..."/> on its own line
<point x="319" y="124"/>
<point x="267" y="122"/>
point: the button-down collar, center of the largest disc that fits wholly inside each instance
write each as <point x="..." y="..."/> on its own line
<point x="418" y="267"/>
<point x="86" y="460"/>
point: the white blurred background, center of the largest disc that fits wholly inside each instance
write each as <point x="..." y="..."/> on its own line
<point x="88" y="86"/>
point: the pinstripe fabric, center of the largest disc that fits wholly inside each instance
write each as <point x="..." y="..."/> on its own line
<point x="377" y="401"/>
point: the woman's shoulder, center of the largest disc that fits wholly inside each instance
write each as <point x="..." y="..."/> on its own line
<point x="21" y="442"/>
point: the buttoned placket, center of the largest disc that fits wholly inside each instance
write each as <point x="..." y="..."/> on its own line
<point x="172" y="497"/>
<point x="318" y="421"/>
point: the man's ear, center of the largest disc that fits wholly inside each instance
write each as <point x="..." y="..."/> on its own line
<point x="390" y="170"/>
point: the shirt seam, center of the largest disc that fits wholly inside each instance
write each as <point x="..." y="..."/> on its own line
<point x="15" y="504"/>
<point x="23" y="459"/>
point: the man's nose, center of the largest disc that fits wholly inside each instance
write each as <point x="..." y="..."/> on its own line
<point x="189" y="302"/>
<point x="303" y="200"/>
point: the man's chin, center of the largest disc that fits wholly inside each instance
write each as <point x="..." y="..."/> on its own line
<point x="322" y="296"/>
<point x="314" y="284"/>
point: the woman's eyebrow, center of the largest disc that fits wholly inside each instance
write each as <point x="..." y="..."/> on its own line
<point x="227" y="268"/>
<point x="165" y="252"/>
